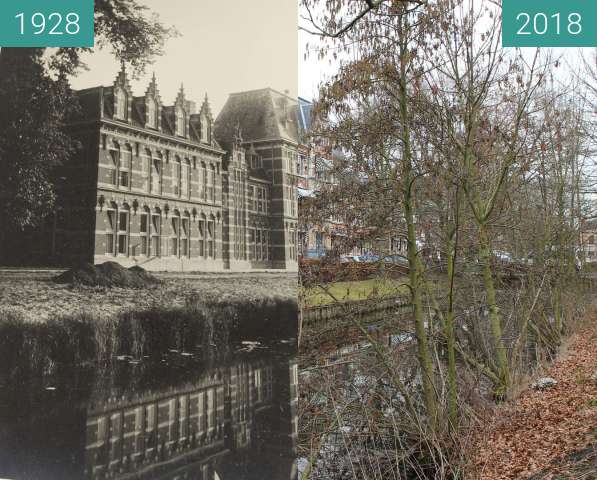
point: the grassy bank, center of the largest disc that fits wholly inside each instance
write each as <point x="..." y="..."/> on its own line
<point x="34" y="297"/>
<point x="357" y="290"/>
<point x="199" y="328"/>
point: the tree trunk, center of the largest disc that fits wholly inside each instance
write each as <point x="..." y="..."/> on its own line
<point x="495" y="319"/>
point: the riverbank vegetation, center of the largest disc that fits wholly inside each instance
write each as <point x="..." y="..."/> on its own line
<point x="479" y="157"/>
<point x="198" y="328"/>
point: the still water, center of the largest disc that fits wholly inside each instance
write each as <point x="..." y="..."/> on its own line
<point x="176" y="417"/>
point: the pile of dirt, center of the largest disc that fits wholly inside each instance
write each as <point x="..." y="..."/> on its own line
<point x="108" y="274"/>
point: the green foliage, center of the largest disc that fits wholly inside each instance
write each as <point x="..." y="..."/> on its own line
<point x="35" y="102"/>
<point x="32" y="141"/>
<point x="127" y="29"/>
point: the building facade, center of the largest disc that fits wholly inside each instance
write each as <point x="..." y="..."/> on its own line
<point x="169" y="188"/>
<point x="316" y="162"/>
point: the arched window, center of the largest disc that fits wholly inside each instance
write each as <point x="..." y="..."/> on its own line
<point x="203" y="181"/>
<point x="156" y="232"/>
<point x="125" y="167"/>
<point x="211" y="236"/>
<point x="120" y="104"/>
<point x="202" y="223"/>
<point x="212" y="182"/>
<point x="175" y="234"/>
<point x="185" y="179"/>
<point x="123" y="231"/>
<point x="176" y="176"/>
<point x="204" y="129"/>
<point x="184" y="236"/>
<point x="156" y="174"/>
<point x="114" y="164"/>
<point x="110" y="224"/>
<point x="152" y="113"/>
<point x="146" y="165"/>
<point x="180" y="122"/>
<point x="144" y="231"/>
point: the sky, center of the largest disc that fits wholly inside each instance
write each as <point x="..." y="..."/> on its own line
<point x="313" y="71"/>
<point x="230" y="46"/>
<point x="224" y="47"/>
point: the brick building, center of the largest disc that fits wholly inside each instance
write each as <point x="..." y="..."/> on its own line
<point x="168" y="188"/>
<point x="197" y="429"/>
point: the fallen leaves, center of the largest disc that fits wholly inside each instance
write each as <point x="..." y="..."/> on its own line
<point x="541" y="433"/>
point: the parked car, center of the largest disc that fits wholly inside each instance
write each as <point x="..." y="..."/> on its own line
<point x="349" y="259"/>
<point x="368" y="258"/>
<point x="396" y="259"/>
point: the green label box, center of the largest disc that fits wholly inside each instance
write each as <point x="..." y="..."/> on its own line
<point x="549" y="23"/>
<point x="46" y="23"/>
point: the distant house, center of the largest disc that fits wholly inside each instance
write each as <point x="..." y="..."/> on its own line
<point x="588" y="241"/>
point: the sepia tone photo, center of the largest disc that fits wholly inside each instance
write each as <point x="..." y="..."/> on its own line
<point x="149" y="246"/>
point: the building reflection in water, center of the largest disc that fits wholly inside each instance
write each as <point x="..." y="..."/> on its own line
<point x="236" y="420"/>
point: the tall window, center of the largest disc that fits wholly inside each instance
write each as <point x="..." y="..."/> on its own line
<point x="202" y="227"/>
<point x="180" y="128"/>
<point x="156" y="175"/>
<point x="144" y="232"/>
<point x="260" y="199"/>
<point x="185" y="185"/>
<point x="110" y="228"/>
<point x="252" y="255"/>
<point x="125" y="167"/>
<point x="251" y="195"/>
<point x="176" y="177"/>
<point x="146" y="164"/>
<point x="259" y="254"/>
<point x="174" y="236"/>
<point x="204" y="129"/>
<point x="292" y="244"/>
<point x="156" y="231"/>
<point x="123" y="229"/>
<point x="184" y="237"/>
<point x="114" y="164"/>
<point x="211" y="237"/>
<point x="203" y="181"/>
<point x="212" y="183"/>
<point x="120" y="106"/>
<point x="152" y="113"/>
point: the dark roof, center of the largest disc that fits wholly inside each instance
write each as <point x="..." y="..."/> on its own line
<point x="261" y="114"/>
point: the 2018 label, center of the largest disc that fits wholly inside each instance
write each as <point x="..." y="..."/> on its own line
<point x="549" y="23"/>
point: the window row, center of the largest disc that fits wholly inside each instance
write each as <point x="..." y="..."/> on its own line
<point x="152" y="167"/>
<point x="154" y="240"/>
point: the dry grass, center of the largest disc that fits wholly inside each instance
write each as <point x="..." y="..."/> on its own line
<point x="36" y="297"/>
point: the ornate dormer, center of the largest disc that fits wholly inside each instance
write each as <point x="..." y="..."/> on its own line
<point x="123" y="96"/>
<point x="206" y="120"/>
<point x="238" y="151"/>
<point x="238" y="137"/>
<point x="153" y="106"/>
<point x="253" y="159"/>
<point x="181" y="114"/>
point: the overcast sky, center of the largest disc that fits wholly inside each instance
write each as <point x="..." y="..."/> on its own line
<point x="224" y="47"/>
